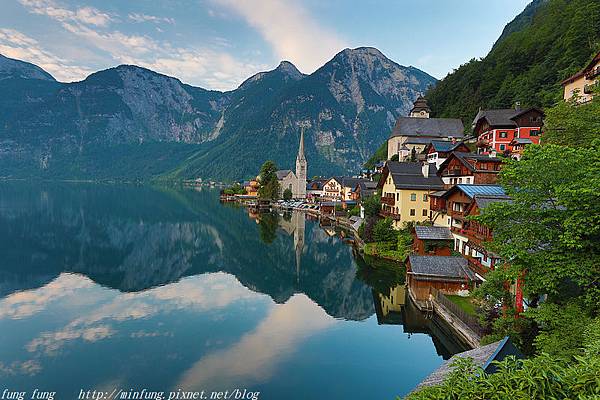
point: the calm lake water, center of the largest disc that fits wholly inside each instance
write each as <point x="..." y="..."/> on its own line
<point x="107" y="287"/>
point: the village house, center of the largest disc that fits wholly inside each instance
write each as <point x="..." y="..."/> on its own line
<point x="405" y="189"/>
<point x="251" y="187"/>
<point x="477" y="234"/>
<point x="448" y="274"/>
<point x="584" y="82"/>
<point x="418" y="130"/>
<point x="438" y="214"/>
<point x="469" y="241"/>
<point x="315" y="189"/>
<point x="497" y="129"/>
<point x="363" y="189"/>
<point x="469" y="168"/>
<point x="332" y="189"/>
<point x="437" y="151"/>
<point x="432" y="240"/>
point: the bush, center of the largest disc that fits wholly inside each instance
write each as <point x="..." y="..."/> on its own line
<point x="287" y="194"/>
<point x="354" y="212"/>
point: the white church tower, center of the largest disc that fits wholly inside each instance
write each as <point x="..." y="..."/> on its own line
<point x="300" y="192"/>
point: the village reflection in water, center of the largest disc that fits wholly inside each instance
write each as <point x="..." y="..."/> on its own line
<point x="135" y="277"/>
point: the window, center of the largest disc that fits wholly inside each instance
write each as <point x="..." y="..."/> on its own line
<point x="425" y="197"/>
<point x="502" y="147"/>
<point x="503" y="134"/>
<point x="413" y="197"/>
<point x="534" y="132"/>
<point x="448" y="221"/>
<point x="424" y="212"/>
<point x="484" y="165"/>
<point x="459" y="180"/>
<point x="397" y="196"/>
<point x="412" y="212"/>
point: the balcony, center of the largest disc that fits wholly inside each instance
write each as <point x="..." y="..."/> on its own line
<point x="389" y="200"/>
<point x="388" y="214"/>
<point x="454" y="172"/>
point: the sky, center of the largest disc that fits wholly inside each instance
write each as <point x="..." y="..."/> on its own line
<point x="217" y="44"/>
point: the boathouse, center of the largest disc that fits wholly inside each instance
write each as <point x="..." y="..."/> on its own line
<point x="432" y="240"/>
<point x="448" y="274"/>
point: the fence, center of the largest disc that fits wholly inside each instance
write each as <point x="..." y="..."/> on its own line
<point x="468" y="319"/>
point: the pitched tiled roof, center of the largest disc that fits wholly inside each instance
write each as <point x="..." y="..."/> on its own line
<point x="441" y="266"/>
<point x="433" y="233"/>
<point x="445" y="145"/>
<point x="410" y="176"/>
<point x="433" y="127"/>
<point x="501" y="117"/>
<point x="481" y="356"/>
<point x="282" y="173"/>
<point x="483" y="201"/>
<point x="470" y="160"/>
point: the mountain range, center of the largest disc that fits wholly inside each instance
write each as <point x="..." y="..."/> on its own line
<point x="130" y="123"/>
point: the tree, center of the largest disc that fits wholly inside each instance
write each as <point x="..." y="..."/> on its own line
<point x="550" y="234"/>
<point x="395" y="157"/>
<point x="268" y="224"/>
<point x="384" y="231"/>
<point x="269" y="185"/>
<point x="569" y="124"/>
<point x="372" y="205"/>
<point x="287" y="194"/>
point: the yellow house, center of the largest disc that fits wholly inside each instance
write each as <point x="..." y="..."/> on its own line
<point x="583" y="83"/>
<point x="405" y="190"/>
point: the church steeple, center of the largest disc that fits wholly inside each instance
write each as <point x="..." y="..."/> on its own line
<point x="300" y="155"/>
<point x="301" y="166"/>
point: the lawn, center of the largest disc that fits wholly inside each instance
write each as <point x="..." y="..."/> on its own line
<point x="465" y="303"/>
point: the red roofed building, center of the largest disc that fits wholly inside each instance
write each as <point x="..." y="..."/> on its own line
<point x="507" y="131"/>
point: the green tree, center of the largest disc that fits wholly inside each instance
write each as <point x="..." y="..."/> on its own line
<point x="268" y="224"/>
<point x="569" y="124"/>
<point x="384" y="231"/>
<point x="372" y="205"/>
<point x="287" y="194"/>
<point x="269" y="185"/>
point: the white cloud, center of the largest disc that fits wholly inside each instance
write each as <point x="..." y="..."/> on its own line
<point x="15" y="44"/>
<point x="204" y="66"/>
<point x="138" y="17"/>
<point x="85" y="15"/>
<point x="293" y="33"/>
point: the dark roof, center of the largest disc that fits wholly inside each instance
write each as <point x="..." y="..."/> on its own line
<point x="417" y="140"/>
<point x="502" y="117"/>
<point x="410" y="176"/>
<point x="367" y="185"/>
<point x="420" y="105"/>
<point x="282" y="173"/>
<point x="445" y="145"/>
<point x="316" y="184"/>
<point x="348" y="181"/>
<point x="433" y="233"/>
<point x="439" y="193"/>
<point x="464" y="158"/>
<point x="482" y="356"/>
<point x="440" y="266"/>
<point x="433" y="127"/>
<point x="483" y="201"/>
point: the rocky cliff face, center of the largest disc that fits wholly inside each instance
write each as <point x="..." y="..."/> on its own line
<point x="155" y="125"/>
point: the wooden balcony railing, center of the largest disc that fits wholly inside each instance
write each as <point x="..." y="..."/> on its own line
<point x="389" y="200"/>
<point x="388" y="214"/>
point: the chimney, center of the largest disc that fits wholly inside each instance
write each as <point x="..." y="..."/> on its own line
<point x="425" y="169"/>
<point x="518" y="106"/>
<point x="453" y="140"/>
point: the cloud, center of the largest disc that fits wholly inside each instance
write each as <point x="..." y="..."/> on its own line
<point x="256" y="356"/>
<point x="137" y="17"/>
<point x="85" y="15"/>
<point x="204" y="66"/>
<point x="291" y="31"/>
<point x="15" y="44"/>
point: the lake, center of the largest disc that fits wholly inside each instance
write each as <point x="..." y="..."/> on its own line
<point x="117" y="287"/>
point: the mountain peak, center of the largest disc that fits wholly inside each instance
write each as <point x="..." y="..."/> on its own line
<point x="10" y="67"/>
<point x="288" y="68"/>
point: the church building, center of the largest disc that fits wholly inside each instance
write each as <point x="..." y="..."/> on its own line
<point x="296" y="182"/>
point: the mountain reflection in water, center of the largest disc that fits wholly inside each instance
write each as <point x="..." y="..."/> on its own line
<point x="106" y="274"/>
